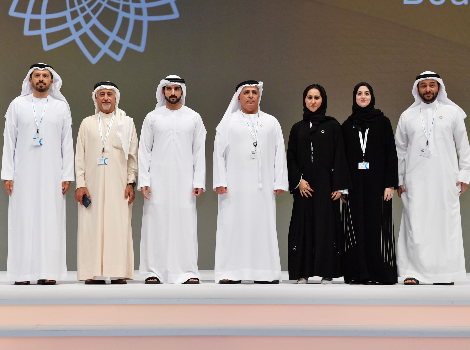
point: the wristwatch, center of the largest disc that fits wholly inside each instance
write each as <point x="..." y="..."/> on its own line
<point x="132" y="184"/>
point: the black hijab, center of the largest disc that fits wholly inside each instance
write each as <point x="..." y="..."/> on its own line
<point x="317" y="117"/>
<point x="363" y="116"/>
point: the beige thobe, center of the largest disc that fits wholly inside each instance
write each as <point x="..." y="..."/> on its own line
<point x="104" y="235"/>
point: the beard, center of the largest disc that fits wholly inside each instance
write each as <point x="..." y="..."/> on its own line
<point x="106" y="106"/>
<point x="40" y="89"/>
<point x="174" y="101"/>
<point x="431" y="99"/>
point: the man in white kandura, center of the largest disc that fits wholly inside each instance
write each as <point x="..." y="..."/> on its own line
<point x="250" y="169"/>
<point x="431" y="178"/>
<point x="106" y="169"/>
<point x="37" y="168"/>
<point x="172" y="171"/>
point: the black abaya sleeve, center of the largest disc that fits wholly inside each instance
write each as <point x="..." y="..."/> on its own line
<point x="293" y="167"/>
<point x="341" y="178"/>
<point x="391" y="171"/>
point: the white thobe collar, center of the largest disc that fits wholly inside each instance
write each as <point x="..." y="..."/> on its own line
<point x="252" y="117"/>
<point x="106" y="115"/>
<point x="173" y="110"/>
<point x="426" y="106"/>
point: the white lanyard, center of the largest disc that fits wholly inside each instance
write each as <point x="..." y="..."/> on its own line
<point x="107" y="133"/>
<point x="38" y="124"/>
<point x="363" y="143"/>
<point x="254" y="133"/>
<point x="428" y="136"/>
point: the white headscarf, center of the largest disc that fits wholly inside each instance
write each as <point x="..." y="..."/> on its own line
<point x="123" y="123"/>
<point x="54" y="90"/>
<point x="223" y="128"/>
<point x="105" y="85"/>
<point x="170" y="80"/>
<point x="441" y="96"/>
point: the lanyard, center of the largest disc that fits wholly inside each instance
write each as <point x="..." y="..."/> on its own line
<point x="38" y="124"/>
<point x="363" y="143"/>
<point x="428" y="136"/>
<point x="107" y="132"/>
<point x="254" y="133"/>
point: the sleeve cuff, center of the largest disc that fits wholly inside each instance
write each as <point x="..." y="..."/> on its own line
<point x="131" y="178"/>
<point x="142" y="184"/>
<point x="401" y="180"/>
<point x="219" y="185"/>
<point x="464" y="176"/>
<point x="81" y="183"/>
<point x="68" y="178"/>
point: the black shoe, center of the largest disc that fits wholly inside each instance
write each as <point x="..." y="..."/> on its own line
<point x="22" y="283"/>
<point x="91" y="281"/>
<point x="229" y="282"/>
<point x="267" y="282"/>
<point x="119" y="281"/>
<point x="356" y="282"/>
<point x="47" y="282"/>
<point x="192" y="281"/>
<point x="444" y="284"/>
<point x="152" y="280"/>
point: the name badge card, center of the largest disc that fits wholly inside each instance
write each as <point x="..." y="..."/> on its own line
<point x="254" y="155"/>
<point x="425" y="151"/>
<point x="363" y="166"/>
<point x="102" y="161"/>
<point x="37" y="141"/>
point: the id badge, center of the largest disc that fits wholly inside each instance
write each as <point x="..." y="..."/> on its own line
<point x="102" y="161"/>
<point x="425" y="152"/>
<point x="254" y="155"/>
<point x="37" y="141"/>
<point x="363" y="166"/>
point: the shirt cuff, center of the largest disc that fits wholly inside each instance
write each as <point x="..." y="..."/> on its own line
<point x="199" y="185"/>
<point x="219" y="185"/>
<point x="131" y="178"/>
<point x="464" y="176"/>
<point x="81" y="182"/>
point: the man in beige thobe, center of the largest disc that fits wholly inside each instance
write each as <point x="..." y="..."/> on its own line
<point x="106" y="170"/>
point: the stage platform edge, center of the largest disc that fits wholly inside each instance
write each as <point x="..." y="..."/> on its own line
<point x="74" y="315"/>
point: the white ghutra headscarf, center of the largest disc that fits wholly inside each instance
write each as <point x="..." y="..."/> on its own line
<point x="124" y="123"/>
<point x="170" y="80"/>
<point x="441" y="96"/>
<point x="54" y="90"/>
<point x="223" y="128"/>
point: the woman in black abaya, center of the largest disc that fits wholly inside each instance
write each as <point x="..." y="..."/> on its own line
<point x="369" y="244"/>
<point x="317" y="173"/>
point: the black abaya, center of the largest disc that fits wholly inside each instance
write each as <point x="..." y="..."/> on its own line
<point x="315" y="230"/>
<point x="369" y="244"/>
